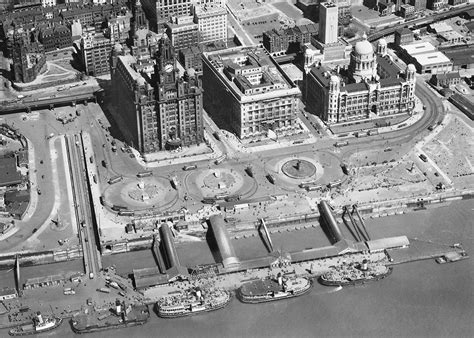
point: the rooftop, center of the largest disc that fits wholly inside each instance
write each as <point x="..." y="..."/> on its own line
<point x="10" y="175"/>
<point x="418" y="48"/>
<point x="250" y="71"/>
<point x="431" y="58"/>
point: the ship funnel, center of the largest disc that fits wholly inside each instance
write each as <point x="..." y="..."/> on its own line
<point x="118" y="307"/>
<point x="280" y="279"/>
<point x="39" y="317"/>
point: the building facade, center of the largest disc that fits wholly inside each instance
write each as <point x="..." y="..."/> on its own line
<point x="95" y="53"/>
<point x="246" y="92"/>
<point x="373" y="88"/>
<point x="280" y="40"/>
<point x="179" y="102"/>
<point x="183" y="32"/>
<point x="56" y="37"/>
<point x="328" y="22"/>
<point x="159" y="109"/>
<point x="212" y="23"/>
<point x="29" y="58"/>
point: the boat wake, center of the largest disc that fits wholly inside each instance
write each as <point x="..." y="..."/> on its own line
<point x="327" y="290"/>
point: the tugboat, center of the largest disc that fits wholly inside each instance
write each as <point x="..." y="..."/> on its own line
<point x="353" y="274"/>
<point x="121" y="316"/>
<point x="192" y="301"/>
<point x="270" y="289"/>
<point x="39" y="325"/>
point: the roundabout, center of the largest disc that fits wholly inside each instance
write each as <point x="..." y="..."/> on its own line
<point x="221" y="181"/>
<point x="298" y="168"/>
<point x="143" y="193"/>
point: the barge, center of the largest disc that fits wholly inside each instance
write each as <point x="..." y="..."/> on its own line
<point x="120" y="317"/>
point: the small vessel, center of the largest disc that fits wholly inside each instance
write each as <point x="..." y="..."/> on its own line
<point x="119" y="317"/>
<point x="192" y="301"/>
<point x="354" y="273"/>
<point x="269" y="289"/>
<point x="451" y="257"/>
<point x="39" y="325"/>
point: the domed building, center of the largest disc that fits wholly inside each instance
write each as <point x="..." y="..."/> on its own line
<point x="363" y="63"/>
<point x="372" y="87"/>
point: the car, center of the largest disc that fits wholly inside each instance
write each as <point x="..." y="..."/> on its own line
<point x="132" y="155"/>
<point x="423" y="157"/>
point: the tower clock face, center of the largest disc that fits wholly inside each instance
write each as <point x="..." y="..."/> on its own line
<point x="168" y="68"/>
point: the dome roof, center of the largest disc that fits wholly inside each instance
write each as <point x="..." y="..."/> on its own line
<point x="334" y="78"/>
<point x="382" y="42"/>
<point x="364" y="47"/>
<point x="411" y="67"/>
<point x="191" y="72"/>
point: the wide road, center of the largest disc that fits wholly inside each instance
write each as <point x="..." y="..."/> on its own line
<point x="85" y="221"/>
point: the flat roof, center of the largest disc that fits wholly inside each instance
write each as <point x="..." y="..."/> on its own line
<point x="10" y="175"/>
<point x="387" y="243"/>
<point x="431" y="58"/>
<point x="440" y="27"/>
<point x="451" y="35"/>
<point x="417" y="48"/>
<point x="463" y="56"/>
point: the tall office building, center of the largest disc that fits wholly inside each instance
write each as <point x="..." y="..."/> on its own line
<point x="328" y="22"/>
<point x="212" y="23"/>
<point x="179" y="102"/>
<point x="156" y="109"/>
<point x="95" y="53"/>
<point x="246" y="92"/>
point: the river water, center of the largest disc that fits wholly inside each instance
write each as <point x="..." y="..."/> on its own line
<point x="419" y="299"/>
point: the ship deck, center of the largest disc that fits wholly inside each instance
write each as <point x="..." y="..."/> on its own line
<point x="260" y="286"/>
<point x="85" y="321"/>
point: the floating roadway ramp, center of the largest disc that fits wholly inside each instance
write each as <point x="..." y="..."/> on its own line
<point x="327" y="217"/>
<point x="175" y="269"/>
<point x="224" y="244"/>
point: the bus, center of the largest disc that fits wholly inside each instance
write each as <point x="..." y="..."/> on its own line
<point x="221" y="196"/>
<point x="115" y="179"/>
<point x="373" y="132"/>
<point x="341" y="143"/>
<point x="220" y="159"/>
<point x="303" y="185"/>
<point x="126" y="213"/>
<point x="313" y="187"/>
<point x="144" y="174"/>
<point x="189" y="167"/>
<point x="334" y="184"/>
<point x="232" y="198"/>
<point x="118" y="208"/>
<point x="209" y="200"/>
<point x="271" y="178"/>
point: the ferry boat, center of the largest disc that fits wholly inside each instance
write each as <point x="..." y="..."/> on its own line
<point x="121" y="316"/>
<point x="39" y="325"/>
<point x="192" y="301"/>
<point x="354" y="273"/>
<point x="270" y="289"/>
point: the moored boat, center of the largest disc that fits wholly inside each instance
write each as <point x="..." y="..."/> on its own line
<point x="192" y="301"/>
<point x="270" y="289"/>
<point x="39" y="325"/>
<point x="353" y="274"/>
<point x="121" y="316"/>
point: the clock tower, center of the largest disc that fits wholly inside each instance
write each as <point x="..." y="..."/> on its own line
<point x="166" y="62"/>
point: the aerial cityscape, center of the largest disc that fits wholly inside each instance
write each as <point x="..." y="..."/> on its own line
<point x="200" y="160"/>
